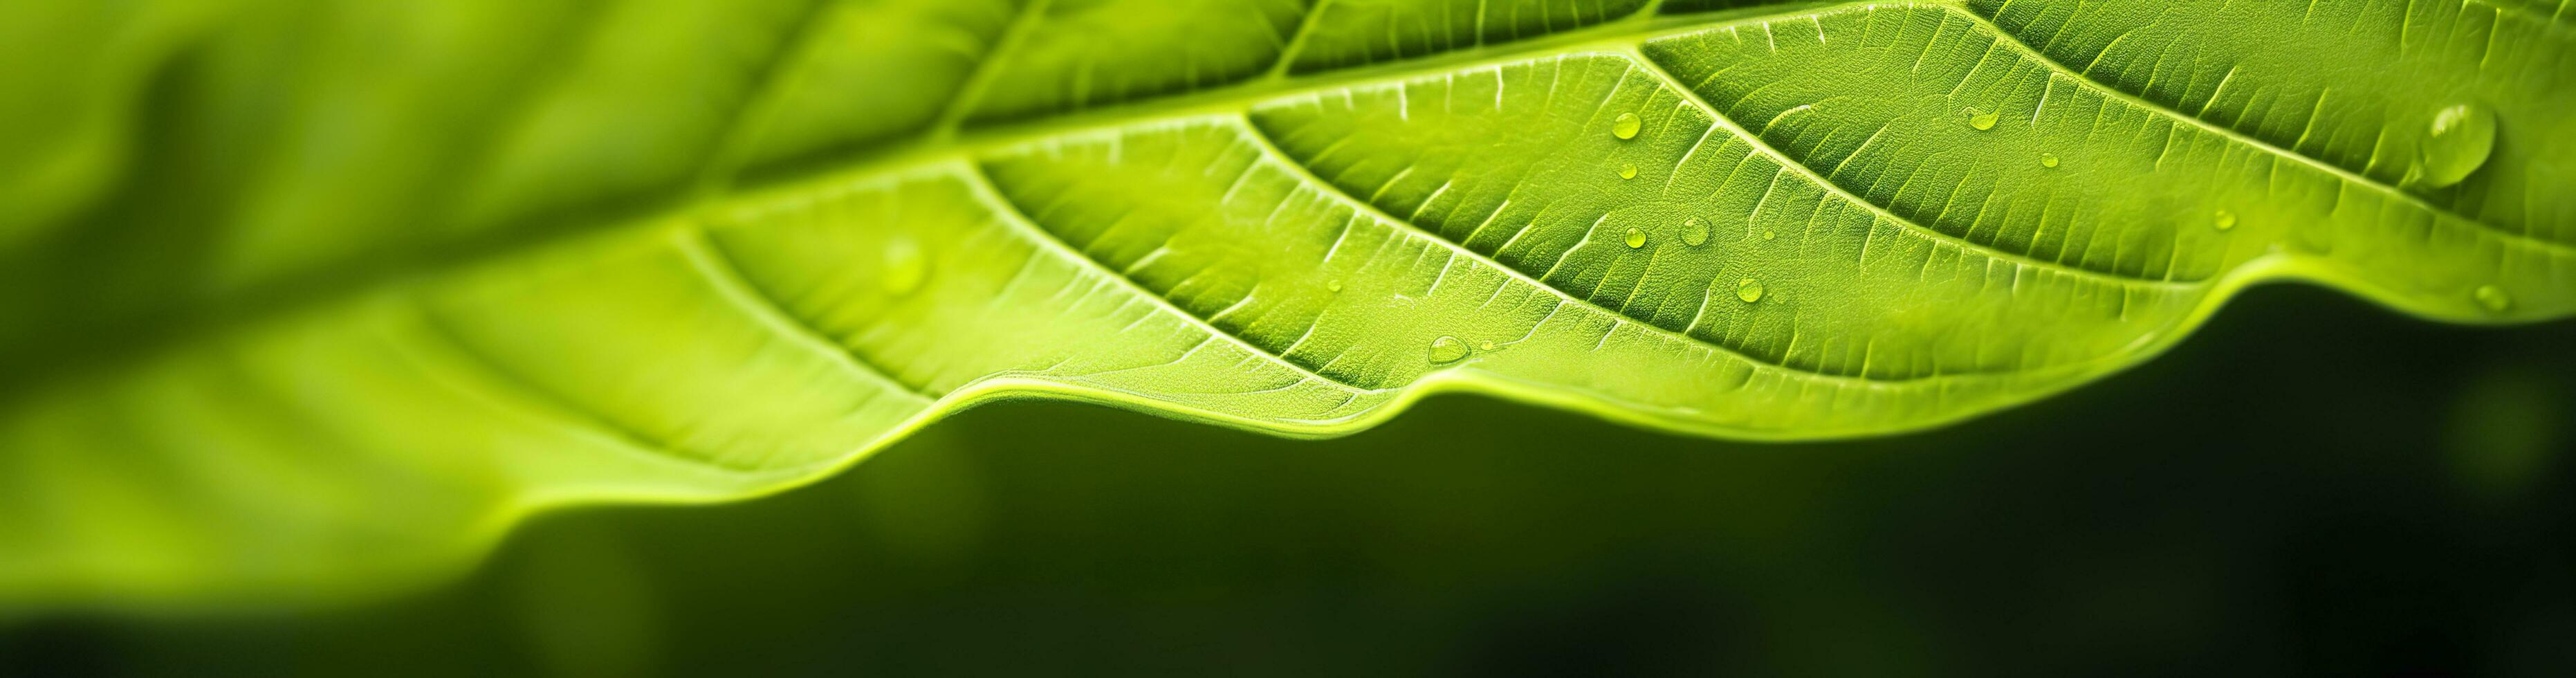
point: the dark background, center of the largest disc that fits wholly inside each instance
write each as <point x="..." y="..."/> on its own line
<point x="2310" y="485"/>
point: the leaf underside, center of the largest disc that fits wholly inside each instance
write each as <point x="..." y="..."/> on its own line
<point x="307" y="297"/>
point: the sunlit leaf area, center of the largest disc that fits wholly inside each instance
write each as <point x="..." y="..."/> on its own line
<point x="1294" y="337"/>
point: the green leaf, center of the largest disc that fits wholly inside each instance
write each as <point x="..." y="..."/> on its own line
<point x="335" y="292"/>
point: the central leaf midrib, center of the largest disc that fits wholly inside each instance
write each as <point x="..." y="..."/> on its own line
<point x="968" y="140"/>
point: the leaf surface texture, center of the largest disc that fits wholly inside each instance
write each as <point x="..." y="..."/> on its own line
<point x="309" y="296"/>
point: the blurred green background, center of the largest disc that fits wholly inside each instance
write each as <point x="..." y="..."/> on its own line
<point x="2309" y="486"/>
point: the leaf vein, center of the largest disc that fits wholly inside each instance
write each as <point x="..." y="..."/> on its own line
<point x="1657" y="71"/>
<point x="1010" y="214"/>
<point x="1987" y="24"/>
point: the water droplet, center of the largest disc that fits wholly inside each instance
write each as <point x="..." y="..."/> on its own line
<point x="904" y="267"/>
<point x="1636" y="238"/>
<point x="1333" y="286"/>
<point x="1981" y="121"/>
<point x="1627" y="171"/>
<point x="1488" y="345"/>
<point x="2048" y="160"/>
<point x="1767" y="235"/>
<point x="2493" y="298"/>
<point x="1447" y="349"/>
<point x="2225" y="220"/>
<point x="1626" y="126"/>
<point x="1694" y="232"/>
<point x="2459" y="142"/>
<point x="1750" y="290"/>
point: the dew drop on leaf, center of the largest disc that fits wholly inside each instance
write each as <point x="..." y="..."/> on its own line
<point x="1447" y="349"/>
<point x="1627" y="171"/>
<point x="1694" y="232"/>
<point x="1626" y="126"/>
<point x="1767" y="235"/>
<point x="1489" y="345"/>
<point x="2458" y="144"/>
<point x="2493" y="298"/>
<point x="904" y="267"/>
<point x="2224" y="221"/>
<point x="1981" y="121"/>
<point x="2048" y="160"/>
<point x="1750" y="290"/>
<point x="1636" y="238"/>
<point x="1334" y="286"/>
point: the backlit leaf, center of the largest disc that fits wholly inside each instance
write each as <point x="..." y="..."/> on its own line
<point x="306" y="297"/>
